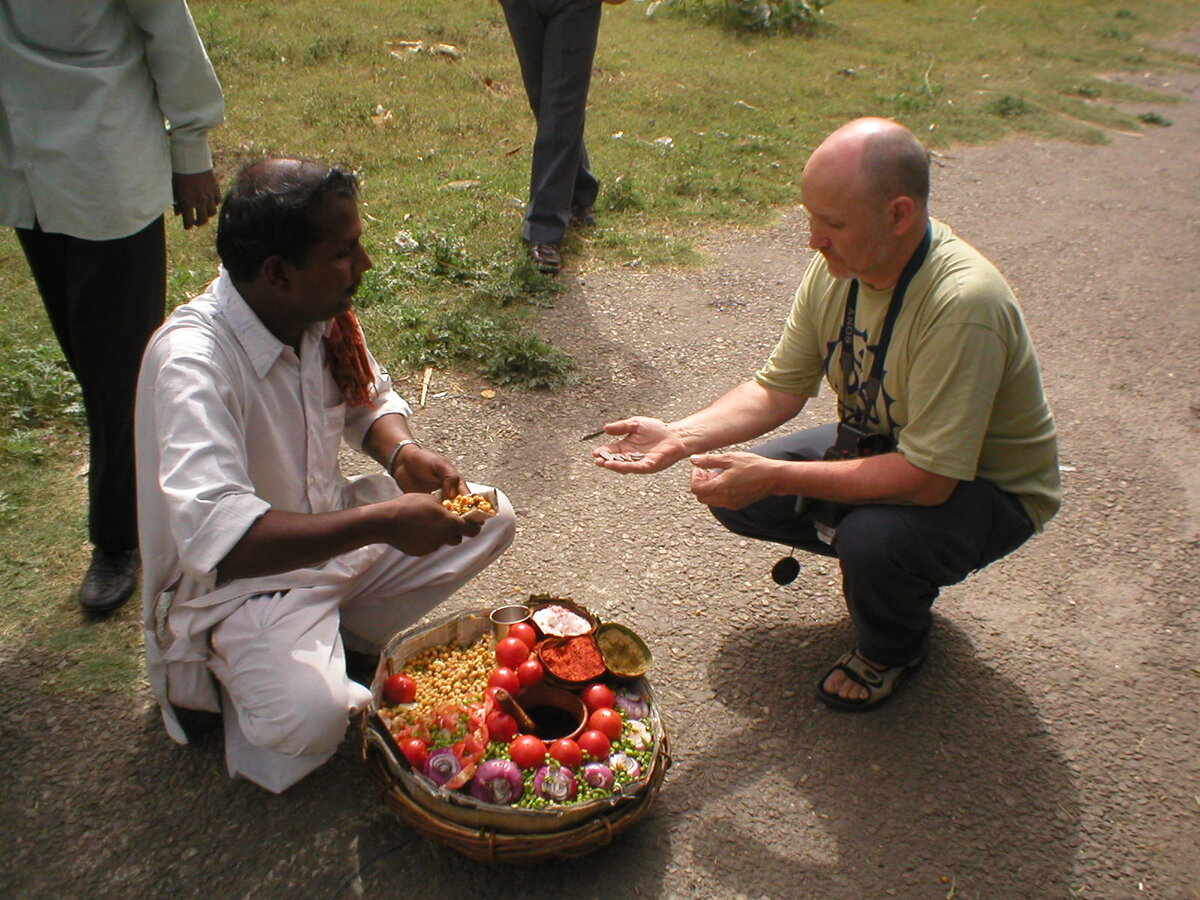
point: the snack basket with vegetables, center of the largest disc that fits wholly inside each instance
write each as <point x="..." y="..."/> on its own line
<point x="558" y="779"/>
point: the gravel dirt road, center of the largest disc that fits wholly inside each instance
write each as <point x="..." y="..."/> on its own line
<point x="1047" y="750"/>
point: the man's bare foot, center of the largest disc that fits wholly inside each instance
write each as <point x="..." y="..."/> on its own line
<point x="839" y="684"/>
<point x="855" y="684"/>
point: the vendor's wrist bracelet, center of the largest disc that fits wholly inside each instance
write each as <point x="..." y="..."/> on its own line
<point x="396" y="451"/>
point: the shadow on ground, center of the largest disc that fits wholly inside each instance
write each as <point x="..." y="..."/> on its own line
<point x="134" y="815"/>
<point x="953" y="788"/>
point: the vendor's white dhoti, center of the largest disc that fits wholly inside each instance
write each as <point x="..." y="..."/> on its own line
<point x="285" y="696"/>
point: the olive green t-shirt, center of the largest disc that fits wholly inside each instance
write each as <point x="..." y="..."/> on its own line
<point x="961" y="391"/>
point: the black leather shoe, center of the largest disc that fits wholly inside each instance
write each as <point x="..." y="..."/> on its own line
<point x="109" y="581"/>
<point x="583" y="216"/>
<point x="545" y="256"/>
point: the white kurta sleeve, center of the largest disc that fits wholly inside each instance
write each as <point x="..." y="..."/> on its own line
<point x="203" y="473"/>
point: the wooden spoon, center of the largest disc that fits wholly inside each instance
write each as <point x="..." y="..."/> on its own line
<point x="509" y="704"/>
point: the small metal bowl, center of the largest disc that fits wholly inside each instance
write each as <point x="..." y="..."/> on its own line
<point x="504" y="617"/>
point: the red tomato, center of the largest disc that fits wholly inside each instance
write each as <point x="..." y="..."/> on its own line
<point x="504" y="678"/>
<point x="414" y="751"/>
<point x="524" y="631"/>
<point x="527" y="751"/>
<point x="501" y="726"/>
<point x="469" y="746"/>
<point x="598" y="696"/>
<point x="399" y="689"/>
<point x="606" y="721"/>
<point x="595" y="744"/>
<point x="511" y="652"/>
<point x="530" y="672"/>
<point x="567" y="752"/>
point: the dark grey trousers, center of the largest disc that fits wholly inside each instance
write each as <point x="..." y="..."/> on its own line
<point x="104" y="300"/>
<point x="555" y="42"/>
<point x="894" y="559"/>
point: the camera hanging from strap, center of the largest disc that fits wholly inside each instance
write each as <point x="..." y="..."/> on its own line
<point x="854" y="439"/>
<point x="868" y="391"/>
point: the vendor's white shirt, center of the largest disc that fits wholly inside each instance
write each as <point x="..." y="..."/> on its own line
<point x="85" y="87"/>
<point x="231" y="423"/>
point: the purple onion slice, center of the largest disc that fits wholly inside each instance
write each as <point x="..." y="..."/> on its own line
<point x="441" y="766"/>
<point x="498" y="781"/>
<point x="626" y="764"/>
<point x="555" y="783"/>
<point x="597" y="775"/>
<point x="632" y="704"/>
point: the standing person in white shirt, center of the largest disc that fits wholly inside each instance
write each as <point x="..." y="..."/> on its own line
<point x="88" y="163"/>
<point x="262" y="561"/>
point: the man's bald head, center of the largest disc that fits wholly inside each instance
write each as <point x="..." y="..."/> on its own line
<point x="270" y="211"/>
<point x="866" y="189"/>
<point x="882" y="158"/>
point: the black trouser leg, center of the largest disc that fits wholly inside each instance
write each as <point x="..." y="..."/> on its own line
<point x="555" y="42"/>
<point x="894" y="559"/>
<point x="775" y="518"/>
<point x="104" y="300"/>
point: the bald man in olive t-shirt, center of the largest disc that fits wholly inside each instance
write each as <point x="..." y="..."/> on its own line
<point x="945" y="456"/>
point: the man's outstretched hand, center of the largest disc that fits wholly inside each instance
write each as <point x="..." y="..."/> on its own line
<point x="646" y="445"/>
<point x="196" y="197"/>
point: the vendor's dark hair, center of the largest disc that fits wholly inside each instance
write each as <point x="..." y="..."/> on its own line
<point x="269" y="212"/>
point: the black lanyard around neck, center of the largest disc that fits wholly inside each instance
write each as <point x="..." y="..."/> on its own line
<point x="869" y="390"/>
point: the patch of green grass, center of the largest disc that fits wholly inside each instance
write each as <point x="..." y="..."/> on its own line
<point x="1008" y="106"/>
<point x="690" y="126"/>
<point x="639" y="247"/>
<point x="418" y="336"/>
<point x="526" y="360"/>
<point x="9" y="507"/>
<point x="755" y="16"/>
<point x="622" y="195"/>
<point x="97" y="656"/>
<point x="22" y="445"/>
<point x="1153" y="118"/>
<point x="913" y="99"/>
<point x="37" y="387"/>
<point x="42" y="525"/>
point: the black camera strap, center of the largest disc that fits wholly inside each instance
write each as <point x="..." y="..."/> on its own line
<point x="869" y="390"/>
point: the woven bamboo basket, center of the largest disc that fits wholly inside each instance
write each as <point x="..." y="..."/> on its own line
<point x="485" y="832"/>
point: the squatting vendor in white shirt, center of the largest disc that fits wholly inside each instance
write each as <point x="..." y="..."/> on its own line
<point x="259" y="557"/>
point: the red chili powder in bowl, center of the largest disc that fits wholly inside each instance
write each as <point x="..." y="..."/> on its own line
<point x="572" y="659"/>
